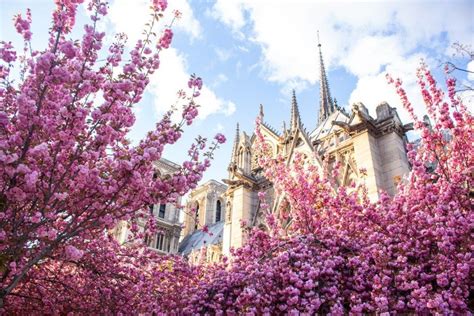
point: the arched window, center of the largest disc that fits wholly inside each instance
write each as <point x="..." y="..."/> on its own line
<point x="218" y="211"/>
<point x="196" y="216"/>
<point x="161" y="212"/>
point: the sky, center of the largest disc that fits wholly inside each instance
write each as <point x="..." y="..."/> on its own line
<point x="252" y="52"/>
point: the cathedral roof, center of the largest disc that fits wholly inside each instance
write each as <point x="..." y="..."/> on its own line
<point x="270" y="129"/>
<point x="200" y="238"/>
<point x="326" y="127"/>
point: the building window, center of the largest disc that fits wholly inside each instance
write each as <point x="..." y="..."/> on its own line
<point x="196" y="216"/>
<point x="161" y="213"/>
<point x="168" y="245"/>
<point x="218" y="211"/>
<point x="160" y="241"/>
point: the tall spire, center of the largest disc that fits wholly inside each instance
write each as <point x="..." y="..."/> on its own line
<point x="295" y="113"/>
<point x="326" y="106"/>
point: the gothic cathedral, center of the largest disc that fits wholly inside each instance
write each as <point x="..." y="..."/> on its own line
<point x="355" y="140"/>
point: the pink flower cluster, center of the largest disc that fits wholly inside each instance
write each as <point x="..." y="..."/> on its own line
<point x="160" y="5"/>
<point x="23" y="25"/>
<point x="220" y="138"/>
<point x="190" y="113"/>
<point x="165" y="40"/>
<point x="195" y="82"/>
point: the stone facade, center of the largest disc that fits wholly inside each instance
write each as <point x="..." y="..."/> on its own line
<point x="205" y="207"/>
<point x="356" y="141"/>
<point x="166" y="241"/>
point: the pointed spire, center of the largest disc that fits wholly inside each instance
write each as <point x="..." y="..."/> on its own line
<point x="236" y="143"/>
<point x="295" y="121"/>
<point x="261" y="110"/>
<point x="326" y="105"/>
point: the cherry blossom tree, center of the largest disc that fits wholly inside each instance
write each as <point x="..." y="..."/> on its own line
<point x="68" y="173"/>
<point x="410" y="254"/>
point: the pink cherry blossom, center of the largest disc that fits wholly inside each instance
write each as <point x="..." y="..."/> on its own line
<point x="220" y="138"/>
<point x="68" y="173"/>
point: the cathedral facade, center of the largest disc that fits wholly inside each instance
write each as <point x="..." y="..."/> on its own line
<point x="354" y="139"/>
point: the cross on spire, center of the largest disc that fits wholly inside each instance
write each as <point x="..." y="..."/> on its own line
<point x="326" y="105"/>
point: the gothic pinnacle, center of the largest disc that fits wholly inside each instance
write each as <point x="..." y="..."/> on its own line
<point x="236" y="142"/>
<point x="295" y="113"/>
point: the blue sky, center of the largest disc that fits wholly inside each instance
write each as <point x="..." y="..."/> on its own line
<point x="252" y="52"/>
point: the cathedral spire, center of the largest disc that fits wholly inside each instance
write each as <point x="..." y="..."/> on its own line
<point x="326" y="106"/>
<point x="295" y="113"/>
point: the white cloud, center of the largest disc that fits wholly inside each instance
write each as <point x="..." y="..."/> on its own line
<point x="361" y="63"/>
<point x="372" y="89"/>
<point x="220" y="79"/>
<point x="223" y="54"/>
<point x="467" y="95"/>
<point x="470" y="67"/>
<point x="172" y="76"/>
<point x="366" y="38"/>
<point x="229" y="108"/>
<point x="129" y="17"/>
<point x="230" y="13"/>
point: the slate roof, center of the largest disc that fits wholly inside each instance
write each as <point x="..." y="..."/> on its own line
<point x="199" y="238"/>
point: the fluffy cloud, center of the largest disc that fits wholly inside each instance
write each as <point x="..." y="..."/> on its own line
<point x="470" y="68"/>
<point x="366" y="38"/>
<point x="230" y="13"/>
<point x="173" y="76"/>
<point x="129" y="17"/>
<point x="372" y="89"/>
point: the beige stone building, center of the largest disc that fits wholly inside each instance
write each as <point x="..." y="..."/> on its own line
<point x="166" y="240"/>
<point x="355" y="139"/>
<point x="205" y="207"/>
